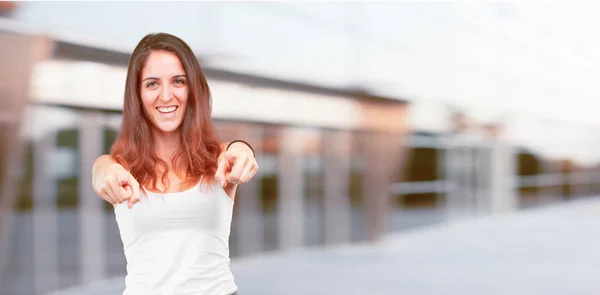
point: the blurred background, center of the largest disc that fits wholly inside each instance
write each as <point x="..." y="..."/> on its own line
<point x="369" y="119"/>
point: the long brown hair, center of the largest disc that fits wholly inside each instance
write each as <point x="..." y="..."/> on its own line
<point x="200" y="145"/>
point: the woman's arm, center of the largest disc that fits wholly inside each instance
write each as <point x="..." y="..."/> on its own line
<point x="114" y="184"/>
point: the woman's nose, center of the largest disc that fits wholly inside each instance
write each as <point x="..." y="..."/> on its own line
<point x="165" y="94"/>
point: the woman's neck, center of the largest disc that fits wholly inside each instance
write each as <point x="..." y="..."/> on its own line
<point x="166" y="144"/>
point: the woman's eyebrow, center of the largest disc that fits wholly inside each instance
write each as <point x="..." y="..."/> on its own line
<point x="176" y="76"/>
<point x="149" y="78"/>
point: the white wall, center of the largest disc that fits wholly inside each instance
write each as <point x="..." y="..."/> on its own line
<point x="88" y="84"/>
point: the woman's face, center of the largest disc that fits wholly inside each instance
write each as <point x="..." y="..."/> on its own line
<point x="164" y="90"/>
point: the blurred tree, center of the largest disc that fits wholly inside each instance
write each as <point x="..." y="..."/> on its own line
<point x="566" y="167"/>
<point x="24" y="200"/>
<point x="422" y="165"/>
<point x="528" y="164"/>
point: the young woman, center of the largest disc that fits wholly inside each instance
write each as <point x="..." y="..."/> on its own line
<point x="178" y="178"/>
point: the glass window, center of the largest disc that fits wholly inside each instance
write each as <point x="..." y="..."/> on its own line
<point x="357" y="170"/>
<point x="64" y="165"/>
<point x="313" y="173"/>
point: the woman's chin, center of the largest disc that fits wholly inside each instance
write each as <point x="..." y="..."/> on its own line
<point x="167" y="128"/>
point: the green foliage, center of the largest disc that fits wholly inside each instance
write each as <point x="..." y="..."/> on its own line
<point x="110" y="136"/>
<point x="269" y="192"/>
<point x="24" y="200"/>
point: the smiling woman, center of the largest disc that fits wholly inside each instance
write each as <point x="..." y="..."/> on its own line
<point x="176" y="235"/>
<point x="166" y="77"/>
<point x="164" y="90"/>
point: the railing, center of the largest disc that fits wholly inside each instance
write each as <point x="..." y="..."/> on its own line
<point x="485" y="178"/>
<point x="538" y="181"/>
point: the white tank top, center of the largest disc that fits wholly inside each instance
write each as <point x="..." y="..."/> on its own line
<point x="178" y="243"/>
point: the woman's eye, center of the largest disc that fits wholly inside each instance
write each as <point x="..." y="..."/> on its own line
<point x="179" y="81"/>
<point x="150" y="84"/>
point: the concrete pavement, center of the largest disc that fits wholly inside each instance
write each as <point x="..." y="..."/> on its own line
<point x="550" y="250"/>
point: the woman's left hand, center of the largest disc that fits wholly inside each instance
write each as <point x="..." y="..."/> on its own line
<point x="236" y="165"/>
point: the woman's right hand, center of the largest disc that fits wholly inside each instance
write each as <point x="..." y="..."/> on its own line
<point x="114" y="184"/>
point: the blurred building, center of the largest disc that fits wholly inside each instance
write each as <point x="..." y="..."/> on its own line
<point x="343" y="158"/>
<point x="327" y="156"/>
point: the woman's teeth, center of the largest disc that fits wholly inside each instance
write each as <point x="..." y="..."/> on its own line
<point x="166" y="110"/>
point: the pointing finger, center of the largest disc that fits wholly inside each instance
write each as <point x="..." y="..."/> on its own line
<point x="237" y="169"/>
<point x="220" y="175"/>
<point x="248" y="172"/>
<point x="123" y="179"/>
<point x="135" y="186"/>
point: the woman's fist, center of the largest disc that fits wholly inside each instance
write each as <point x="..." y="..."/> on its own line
<point x="116" y="185"/>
